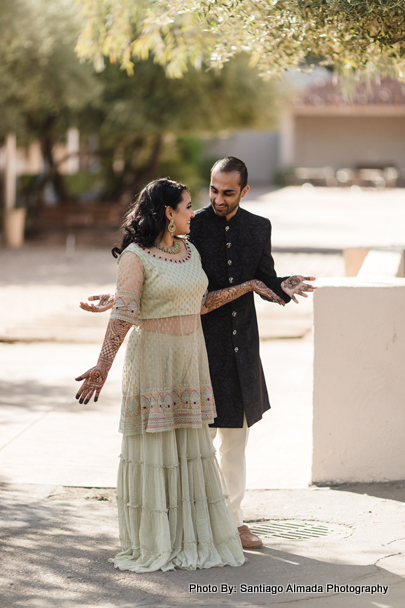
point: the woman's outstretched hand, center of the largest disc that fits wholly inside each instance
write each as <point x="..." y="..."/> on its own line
<point x="266" y="293"/>
<point x="94" y="380"/>
<point x="295" y="286"/>
<point x="105" y="302"/>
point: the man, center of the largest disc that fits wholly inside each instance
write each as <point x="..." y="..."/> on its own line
<point x="235" y="246"/>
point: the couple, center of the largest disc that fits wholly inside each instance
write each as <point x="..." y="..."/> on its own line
<point x="172" y="502"/>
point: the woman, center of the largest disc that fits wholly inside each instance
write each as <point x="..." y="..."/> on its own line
<point x="173" y="511"/>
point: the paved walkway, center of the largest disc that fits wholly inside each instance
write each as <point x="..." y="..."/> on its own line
<point x="58" y="459"/>
<point x="332" y="218"/>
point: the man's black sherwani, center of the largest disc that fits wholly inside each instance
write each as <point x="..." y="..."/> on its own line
<point x="231" y="253"/>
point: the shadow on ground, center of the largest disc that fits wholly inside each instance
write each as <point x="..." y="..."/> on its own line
<point x="390" y="490"/>
<point x="55" y="553"/>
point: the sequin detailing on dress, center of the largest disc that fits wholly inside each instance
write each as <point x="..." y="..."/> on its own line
<point x="166" y="382"/>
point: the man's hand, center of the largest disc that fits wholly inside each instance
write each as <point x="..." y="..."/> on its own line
<point x="105" y="302"/>
<point x="295" y="286"/>
<point x="94" y="380"/>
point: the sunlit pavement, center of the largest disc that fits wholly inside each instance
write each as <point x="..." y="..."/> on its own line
<point x="58" y="458"/>
<point x="332" y="218"/>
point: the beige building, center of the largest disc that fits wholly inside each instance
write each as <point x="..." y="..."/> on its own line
<point x="325" y="132"/>
<point x="323" y="129"/>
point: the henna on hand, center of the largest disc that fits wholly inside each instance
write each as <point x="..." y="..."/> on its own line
<point x="292" y="282"/>
<point x="95" y="377"/>
<point x="105" y="301"/>
<point x="218" y="298"/>
<point x="94" y="380"/>
<point x="295" y="285"/>
<point x="265" y="292"/>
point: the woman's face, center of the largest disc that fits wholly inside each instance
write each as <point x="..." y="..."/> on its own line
<point x="183" y="214"/>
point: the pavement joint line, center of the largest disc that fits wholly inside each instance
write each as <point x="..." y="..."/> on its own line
<point x="33" y="423"/>
<point x="25" y="429"/>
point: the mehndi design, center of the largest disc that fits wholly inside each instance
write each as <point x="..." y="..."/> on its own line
<point x="95" y="377"/>
<point x="218" y="298"/>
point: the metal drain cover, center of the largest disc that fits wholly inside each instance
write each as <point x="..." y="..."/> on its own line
<point x="295" y="530"/>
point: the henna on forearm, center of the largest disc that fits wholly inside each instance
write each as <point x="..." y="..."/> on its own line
<point x="95" y="377"/>
<point x="218" y="298"/>
<point x="114" y="337"/>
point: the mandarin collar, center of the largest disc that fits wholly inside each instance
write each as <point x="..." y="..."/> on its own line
<point x="223" y="220"/>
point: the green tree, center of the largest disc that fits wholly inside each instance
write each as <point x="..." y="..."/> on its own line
<point x="141" y="121"/>
<point x="352" y="36"/>
<point x="43" y="85"/>
<point x="138" y="116"/>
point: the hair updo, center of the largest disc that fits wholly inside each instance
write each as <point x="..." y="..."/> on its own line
<point x="146" y="219"/>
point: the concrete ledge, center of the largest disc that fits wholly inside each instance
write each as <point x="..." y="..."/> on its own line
<point x="387" y="263"/>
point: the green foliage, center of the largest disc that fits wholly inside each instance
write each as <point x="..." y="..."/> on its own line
<point x="138" y="115"/>
<point x="353" y="36"/>
<point x="45" y="88"/>
<point x="40" y="75"/>
<point x="183" y="161"/>
<point x="284" y="176"/>
<point x="213" y="101"/>
<point x="83" y="182"/>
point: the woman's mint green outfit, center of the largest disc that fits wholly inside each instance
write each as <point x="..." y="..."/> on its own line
<point x="172" y="505"/>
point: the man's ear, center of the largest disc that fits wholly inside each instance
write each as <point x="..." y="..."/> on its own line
<point x="245" y="191"/>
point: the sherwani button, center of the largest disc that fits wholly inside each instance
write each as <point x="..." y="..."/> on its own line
<point x="234" y="313"/>
<point x="234" y="332"/>
<point x="229" y="245"/>
<point x="226" y="228"/>
<point x="230" y="279"/>
<point x="236" y="349"/>
<point x="229" y="262"/>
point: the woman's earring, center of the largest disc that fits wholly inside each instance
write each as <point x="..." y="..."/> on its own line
<point x="171" y="227"/>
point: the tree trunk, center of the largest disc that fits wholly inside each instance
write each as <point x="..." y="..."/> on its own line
<point x="152" y="163"/>
<point x="53" y="175"/>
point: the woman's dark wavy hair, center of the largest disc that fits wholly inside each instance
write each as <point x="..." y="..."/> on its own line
<point x="146" y="219"/>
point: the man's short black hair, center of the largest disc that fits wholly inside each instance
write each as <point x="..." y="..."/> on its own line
<point x="230" y="164"/>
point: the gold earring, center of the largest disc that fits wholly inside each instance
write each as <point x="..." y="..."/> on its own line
<point x="171" y="227"/>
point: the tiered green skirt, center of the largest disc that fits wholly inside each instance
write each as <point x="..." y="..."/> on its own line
<point x="172" y="505"/>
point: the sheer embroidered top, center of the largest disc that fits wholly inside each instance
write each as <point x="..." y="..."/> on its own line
<point x="166" y="382"/>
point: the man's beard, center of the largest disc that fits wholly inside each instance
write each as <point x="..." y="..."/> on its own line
<point x="227" y="209"/>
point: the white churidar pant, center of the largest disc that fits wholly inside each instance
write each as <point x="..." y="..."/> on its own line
<point x="232" y="463"/>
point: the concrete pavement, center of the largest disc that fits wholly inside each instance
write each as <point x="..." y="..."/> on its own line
<point x="58" y="459"/>
<point x="56" y="543"/>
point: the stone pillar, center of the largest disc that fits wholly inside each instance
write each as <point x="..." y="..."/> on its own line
<point x="13" y="219"/>
<point x="73" y="145"/>
<point x="10" y="173"/>
<point x="287" y="143"/>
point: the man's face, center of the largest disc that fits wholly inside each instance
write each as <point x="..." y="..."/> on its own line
<point x="225" y="193"/>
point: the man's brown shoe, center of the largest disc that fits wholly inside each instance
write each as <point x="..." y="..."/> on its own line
<point x="248" y="539"/>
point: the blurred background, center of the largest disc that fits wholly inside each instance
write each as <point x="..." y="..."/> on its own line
<point x="76" y="145"/>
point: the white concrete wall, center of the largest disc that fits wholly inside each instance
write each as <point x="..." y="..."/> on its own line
<point x="383" y="263"/>
<point x="359" y="378"/>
